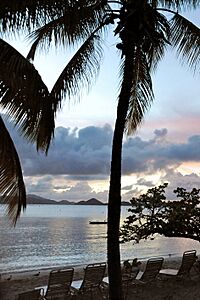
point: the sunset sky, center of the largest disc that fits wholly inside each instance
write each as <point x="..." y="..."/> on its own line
<point x="165" y="148"/>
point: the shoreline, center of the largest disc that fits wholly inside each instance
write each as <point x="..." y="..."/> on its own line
<point x="170" y="256"/>
<point x="11" y="284"/>
<point x="17" y="274"/>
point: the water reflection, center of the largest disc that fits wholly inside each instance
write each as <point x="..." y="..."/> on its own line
<point x="50" y="236"/>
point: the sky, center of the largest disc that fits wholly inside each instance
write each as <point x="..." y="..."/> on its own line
<point x="166" y="147"/>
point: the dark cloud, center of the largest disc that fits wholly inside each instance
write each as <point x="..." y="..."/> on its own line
<point x="158" y="154"/>
<point x="143" y="181"/>
<point x="160" y="133"/>
<point x="78" y="153"/>
<point x="127" y="187"/>
<point x="88" y="177"/>
<point x="85" y="154"/>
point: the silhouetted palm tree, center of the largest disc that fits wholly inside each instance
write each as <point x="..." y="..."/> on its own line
<point x="145" y="29"/>
<point x="24" y="97"/>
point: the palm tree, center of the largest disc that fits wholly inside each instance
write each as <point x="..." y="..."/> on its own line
<point x="24" y="97"/>
<point x="145" y="29"/>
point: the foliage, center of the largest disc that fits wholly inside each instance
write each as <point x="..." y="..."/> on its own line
<point x="152" y="214"/>
<point x="26" y="100"/>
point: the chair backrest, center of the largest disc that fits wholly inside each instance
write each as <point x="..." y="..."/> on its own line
<point x="188" y="259"/>
<point x="93" y="276"/>
<point x="152" y="269"/>
<point x="59" y="282"/>
<point x="30" y="295"/>
<point x="129" y="270"/>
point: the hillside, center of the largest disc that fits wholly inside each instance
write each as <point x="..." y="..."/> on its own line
<point x="91" y="201"/>
<point x="34" y="199"/>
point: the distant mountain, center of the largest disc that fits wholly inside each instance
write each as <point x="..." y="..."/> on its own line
<point x="34" y="199"/>
<point x="65" y="202"/>
<point x="91" y="201"/>
<point x="126" y="203"/>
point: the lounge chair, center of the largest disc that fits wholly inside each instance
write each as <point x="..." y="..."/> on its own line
<point x="151" y="271"/>
<point x="93" y="281"/>
<point x="130" y="269"/>
<point x="59" y="284"/>
<point x="129" y="273"/>
<point x="30" y="295"/>
<point x="188" y="260"/>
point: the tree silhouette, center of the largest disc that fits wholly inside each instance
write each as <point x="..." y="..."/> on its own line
<point x="151" y="215"/>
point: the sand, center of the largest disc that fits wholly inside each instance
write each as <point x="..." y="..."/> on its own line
<point x="11" y="284"/>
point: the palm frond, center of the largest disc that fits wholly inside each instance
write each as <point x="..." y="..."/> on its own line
<point x="45" y="34"/>
<point x="179" y="4"/>
<point x="25" y="97"/>
<point x="28" y="14"/>
<point x="185" y="36"/>
<point x="12" y="188"/>
<point x="80" y="71"/>
<point x="75" y="25"/>
<point x="156" y="37"/>
<point x="141" y="93"/>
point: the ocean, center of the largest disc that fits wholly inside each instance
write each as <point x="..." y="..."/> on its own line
<point x="48" y="236"/>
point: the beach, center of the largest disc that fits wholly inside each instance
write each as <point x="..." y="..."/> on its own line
<point x="12" y="284"/>
<point x="50" y="237"/>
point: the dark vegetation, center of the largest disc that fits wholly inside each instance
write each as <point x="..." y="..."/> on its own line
<point x="153" y="214"/>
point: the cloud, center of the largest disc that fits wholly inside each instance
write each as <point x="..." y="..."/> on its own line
<point x="176" y="179"/>
<point x="78" y="157"/>
<point x="48" y="187"/>
<point x="159" y="154"/>
<point x="85" y="154"/>
<point x="143" y="181"/>
<point x="160" y="133"/>
<point x="127" y="187"/>
<point x="136" y="192"/>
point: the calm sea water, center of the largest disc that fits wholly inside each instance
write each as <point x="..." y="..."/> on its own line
<point x="48" y="236"/>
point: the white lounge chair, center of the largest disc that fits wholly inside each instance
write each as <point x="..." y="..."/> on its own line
<point x="59" y="284"/>
<point x="151" y="271"/>
<point x="93" y="281"/>
<point x="188" y="260"/>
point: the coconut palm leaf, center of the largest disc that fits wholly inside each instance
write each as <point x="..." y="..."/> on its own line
<point x="12" y="189"/>
<point x="21" y="15"/>
<point x="156" y="38"/>
<point x="32" y="14"/>
<point x="179" y="5"/>
<point x="141" y="93"/>
<point x="80" y="71"/>
<point x="25" y="97"/>
<point x="75" y="25"/>
<point x="185" y="36"/>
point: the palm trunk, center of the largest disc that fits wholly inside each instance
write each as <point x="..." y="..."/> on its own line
<point x="114" y="201"/>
